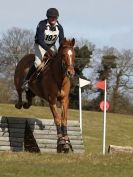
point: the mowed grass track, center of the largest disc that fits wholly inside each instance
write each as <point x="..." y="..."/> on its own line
<point x="90" y="164"/>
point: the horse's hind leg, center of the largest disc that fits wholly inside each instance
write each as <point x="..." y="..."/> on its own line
<point x="29" y="96"/>
<point x="19" y="104"/>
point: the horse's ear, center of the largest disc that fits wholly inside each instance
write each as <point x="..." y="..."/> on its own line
<point x="73" y="42"/>
<point x="63" y="40"/>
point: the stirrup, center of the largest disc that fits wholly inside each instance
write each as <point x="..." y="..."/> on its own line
<point x="25" y="85"/>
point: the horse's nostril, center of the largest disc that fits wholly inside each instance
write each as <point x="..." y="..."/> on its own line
<point x="69" y="73"/>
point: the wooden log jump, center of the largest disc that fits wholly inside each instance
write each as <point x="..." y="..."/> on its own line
<point x="113" y="149"/>
<point x="35" y="135"/>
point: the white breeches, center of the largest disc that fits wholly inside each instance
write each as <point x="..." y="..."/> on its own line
<point x="40" y="52"/>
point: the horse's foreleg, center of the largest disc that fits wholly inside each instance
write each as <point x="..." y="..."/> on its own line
<point x="67" y="144"/>
<point x="19" y="104"/>
<point x="56" y="115"/>
<point x="64" y="105"/>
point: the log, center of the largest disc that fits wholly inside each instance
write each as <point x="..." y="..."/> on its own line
<point x="51" y="127"/>
<point x="15" y="139"/>
<point x="45" y="150"/>
<point x="113" y="149"/>
<point x="54" y="146"/>
<point x="54" y="137"/>
<point x="4" y="134"/>
<point x="38" y="121"/>
<point x="48" y="141"/>
<point x="12" y="144"/>
<point x="53" y="132"/>
<point x="9" y="148"/>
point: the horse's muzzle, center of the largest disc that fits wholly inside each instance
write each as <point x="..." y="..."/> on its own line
<point x="70" y="73"/>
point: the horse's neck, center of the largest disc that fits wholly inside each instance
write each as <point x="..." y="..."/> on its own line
<point x="57" y="70"/>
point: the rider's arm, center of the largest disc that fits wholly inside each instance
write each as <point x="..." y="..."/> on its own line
<point x="61" y="33"/>
<point x="39" y="38"/>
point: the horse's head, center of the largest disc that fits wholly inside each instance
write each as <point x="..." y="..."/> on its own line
<point x="67" y="55"/>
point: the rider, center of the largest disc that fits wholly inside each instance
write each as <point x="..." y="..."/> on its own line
<point x="47" y="33"/>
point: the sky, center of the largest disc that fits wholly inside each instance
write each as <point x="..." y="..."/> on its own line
<point x="102" y="22"/>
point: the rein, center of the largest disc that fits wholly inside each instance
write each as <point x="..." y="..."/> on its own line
<point x="46" y="61"/>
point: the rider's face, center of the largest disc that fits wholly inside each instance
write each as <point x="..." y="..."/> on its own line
<point x="52" y="20"/>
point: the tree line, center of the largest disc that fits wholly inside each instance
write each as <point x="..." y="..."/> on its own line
<point x="91" y="63"/>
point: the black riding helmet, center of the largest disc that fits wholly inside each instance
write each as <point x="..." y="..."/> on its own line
<point x="52" y="12"/>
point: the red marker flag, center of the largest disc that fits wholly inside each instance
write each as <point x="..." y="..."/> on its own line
<point x="102" y="105"/>
<point x="100" y="85"/>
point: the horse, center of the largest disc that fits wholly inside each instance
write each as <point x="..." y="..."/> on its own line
<point x="53" y="84"/>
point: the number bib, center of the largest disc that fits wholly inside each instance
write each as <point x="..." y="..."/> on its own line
<point x="50" y="37"/>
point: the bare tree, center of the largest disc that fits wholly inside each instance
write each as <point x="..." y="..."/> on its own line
<point x="119" y="75"/>
<point x="14" y="44"/>
<point x="121" y="80"/>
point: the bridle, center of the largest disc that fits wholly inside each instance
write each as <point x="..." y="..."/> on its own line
<point x="65" y="65"/>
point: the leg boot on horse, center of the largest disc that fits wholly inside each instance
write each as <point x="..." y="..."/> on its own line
<point x="60" y="144"/>
<point x="60" y="140"/>
<point x="63" y="141"/>
<point x="64" y="145"/>
<point x="67" y="145"/>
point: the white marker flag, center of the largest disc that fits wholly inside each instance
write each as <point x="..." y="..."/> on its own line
<point x="83" y="82"/>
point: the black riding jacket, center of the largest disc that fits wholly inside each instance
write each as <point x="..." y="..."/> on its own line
<point x="46" y="35"/>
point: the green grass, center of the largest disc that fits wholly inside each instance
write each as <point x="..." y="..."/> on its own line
<point x="90" y="164"/>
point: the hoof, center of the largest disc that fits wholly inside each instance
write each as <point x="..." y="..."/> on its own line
<point x="26" y="105"/>
<point x="59" y="148"/>
<point x="60" y="145"/>
<point x="66" y="148"/>
<point x="18" y="105"/>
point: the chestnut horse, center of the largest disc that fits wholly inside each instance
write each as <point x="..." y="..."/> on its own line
<point x="52" y="84"/>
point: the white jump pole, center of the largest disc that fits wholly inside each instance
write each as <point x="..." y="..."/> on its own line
<point x="80" y="109"/>
<point x="104" y="119"/>
<point x="82" y="83"/>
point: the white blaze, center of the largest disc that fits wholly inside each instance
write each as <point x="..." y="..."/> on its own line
<point x="70" y="53"/>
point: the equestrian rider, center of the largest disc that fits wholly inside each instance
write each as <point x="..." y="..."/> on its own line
<point x="47" y="33"/>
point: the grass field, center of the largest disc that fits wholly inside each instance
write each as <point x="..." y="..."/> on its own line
<point x="90" y="164"/>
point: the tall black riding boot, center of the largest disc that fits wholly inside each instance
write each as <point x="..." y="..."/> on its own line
<point x="25" y="85"/>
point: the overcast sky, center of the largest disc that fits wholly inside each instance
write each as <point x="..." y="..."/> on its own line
<point x="103" y="22"/>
